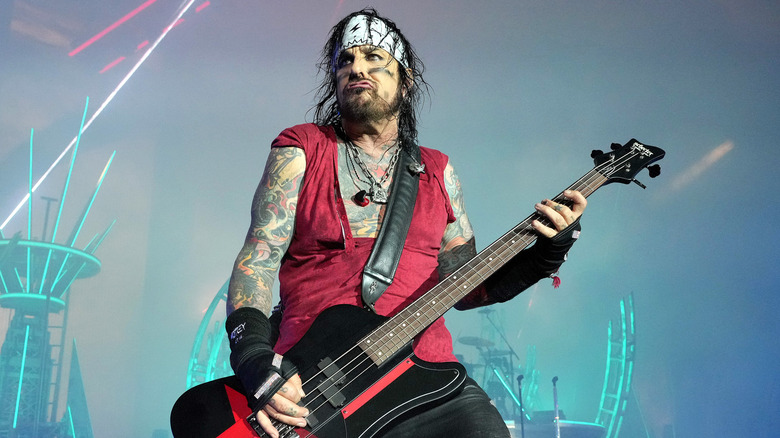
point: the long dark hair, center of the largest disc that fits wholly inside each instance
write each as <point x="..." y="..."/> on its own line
<point x="326" y="111"/>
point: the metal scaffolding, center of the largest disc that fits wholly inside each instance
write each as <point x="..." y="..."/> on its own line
<point x="619" y="370"/>
<point x="36" y="274"/>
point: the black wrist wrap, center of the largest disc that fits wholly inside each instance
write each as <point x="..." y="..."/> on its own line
<point x="531" y="265"/>
<point x="261" y="371"/>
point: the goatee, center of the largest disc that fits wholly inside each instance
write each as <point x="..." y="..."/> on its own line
<point x="374" y="109"/>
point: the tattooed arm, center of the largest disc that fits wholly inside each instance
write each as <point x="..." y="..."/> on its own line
<point x="270" y="230"/>
<point x="528" y="267"/>
<point x="458" y="244"/>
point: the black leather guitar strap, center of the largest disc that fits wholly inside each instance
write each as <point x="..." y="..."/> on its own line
<point x="380" y="269"/>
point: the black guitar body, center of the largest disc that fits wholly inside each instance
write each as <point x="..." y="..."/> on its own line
<point x="347" y="394"/>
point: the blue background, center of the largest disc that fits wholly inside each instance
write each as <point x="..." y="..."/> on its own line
<point x="522" y="91"/>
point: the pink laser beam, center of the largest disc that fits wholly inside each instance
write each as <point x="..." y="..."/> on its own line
<point x="178" y="22"/>
<point x="95" y="115"/>
<point x="105" y="31"/>
<point x="112" y="64"/>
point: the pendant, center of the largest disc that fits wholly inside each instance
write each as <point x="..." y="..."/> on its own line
<point x="361" y="198"/>
<point x="378" y="195"/>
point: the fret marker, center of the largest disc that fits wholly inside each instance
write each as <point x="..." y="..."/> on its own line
<point x="418" y="313"/>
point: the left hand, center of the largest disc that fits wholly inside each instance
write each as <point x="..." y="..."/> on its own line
<point x="559" y="215"/>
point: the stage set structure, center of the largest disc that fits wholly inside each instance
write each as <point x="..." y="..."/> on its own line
<point x="36" y="275"/>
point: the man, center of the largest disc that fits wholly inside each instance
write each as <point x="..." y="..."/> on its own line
<point x="316" y="214"/>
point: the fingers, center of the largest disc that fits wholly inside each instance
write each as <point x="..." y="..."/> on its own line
<point x="293" y="389"/>
<point x="283" y="407"/>
<point x="283" y="410"/>
<point x="580" y="202"/>
<point x="559" y="215"/>
<point x="265" y="423"/>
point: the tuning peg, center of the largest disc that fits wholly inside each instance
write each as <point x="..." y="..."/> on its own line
<point x="615" y="146"/>
<point x="654" y="170"/>
<point x="595" y="153"/>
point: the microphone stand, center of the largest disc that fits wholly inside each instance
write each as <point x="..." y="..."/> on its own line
<point x="555" y="401"/>
<point x="520" y="397"/>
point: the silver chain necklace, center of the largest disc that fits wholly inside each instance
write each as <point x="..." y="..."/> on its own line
<point x="376" y="191"/>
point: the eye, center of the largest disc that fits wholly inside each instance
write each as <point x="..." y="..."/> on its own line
<point x="375" y="57"/>
<point x="344" y="59"/>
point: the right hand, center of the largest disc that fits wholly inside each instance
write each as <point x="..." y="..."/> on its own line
<point x="284" y="407"/>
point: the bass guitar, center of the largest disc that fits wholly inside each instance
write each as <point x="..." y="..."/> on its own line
<point x="358" y="368"/>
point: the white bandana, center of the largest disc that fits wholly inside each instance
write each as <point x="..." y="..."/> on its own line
<point x="363" y="29"/>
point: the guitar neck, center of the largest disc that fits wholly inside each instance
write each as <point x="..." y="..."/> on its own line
<point x="401" y="328"/>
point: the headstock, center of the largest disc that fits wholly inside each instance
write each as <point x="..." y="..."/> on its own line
<point x="624" y="162"/>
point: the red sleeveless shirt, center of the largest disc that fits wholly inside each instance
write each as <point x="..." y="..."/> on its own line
<point x="324" y="263"/>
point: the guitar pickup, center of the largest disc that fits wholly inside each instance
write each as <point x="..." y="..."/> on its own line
<point x="332" y="382"/>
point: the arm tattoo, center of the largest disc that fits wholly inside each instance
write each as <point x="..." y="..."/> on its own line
<point x="450" y="261"/>
<point x="270" y="231"/>
<point x="460" y="231"/>
<point x="458" y="245"/>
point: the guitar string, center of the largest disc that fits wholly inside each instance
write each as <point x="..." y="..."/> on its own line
<point x="524" y="223"/>
<point x="483" y="261"/>
<point x="499" y="241"/>
<point x="524" y="227"/>
<point x="501" y="246"/>
<point x="477" y="268"/>
<point x="474" y="268"/>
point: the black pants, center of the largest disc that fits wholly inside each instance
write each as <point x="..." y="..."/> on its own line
<point x="469" y="415"/>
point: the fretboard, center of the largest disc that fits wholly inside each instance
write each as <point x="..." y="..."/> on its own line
<point x="396" y="332"/>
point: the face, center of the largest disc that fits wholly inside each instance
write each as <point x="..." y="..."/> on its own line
<point x="367" y="84"/>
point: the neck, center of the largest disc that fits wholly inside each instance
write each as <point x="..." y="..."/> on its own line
<point x="374" y="138"/>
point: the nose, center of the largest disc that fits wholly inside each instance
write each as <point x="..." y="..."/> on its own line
<point x="358" y="68"/>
